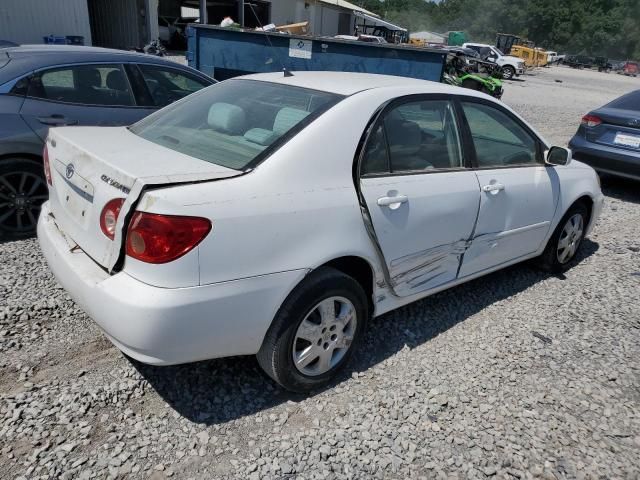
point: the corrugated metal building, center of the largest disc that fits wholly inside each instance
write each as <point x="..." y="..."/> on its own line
<point x="325" y="17"/>
<point x="108" y="23"/>
<point x="123" y="23"/>
<point x="134" y="23"/>
<point x="27" y="21"/>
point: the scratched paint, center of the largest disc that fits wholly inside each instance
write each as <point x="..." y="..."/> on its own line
<point x="428" y="268"/>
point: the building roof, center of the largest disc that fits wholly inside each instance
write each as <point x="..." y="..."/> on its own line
<point x="378" y="21"/>
<point x="427" y="35"/>
<point x="347" y="83"/>
<point x="349" y="6"/>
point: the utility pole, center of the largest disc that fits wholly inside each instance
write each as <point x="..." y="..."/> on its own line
<point x="204" y="17"/>
<point x="241" y="12"/>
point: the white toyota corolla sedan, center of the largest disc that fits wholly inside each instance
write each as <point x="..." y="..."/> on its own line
<point x="274" y="215"/>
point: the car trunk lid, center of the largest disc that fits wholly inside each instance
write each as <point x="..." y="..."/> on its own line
<point x="91" y="166"/>
<point x="619" y="128"/>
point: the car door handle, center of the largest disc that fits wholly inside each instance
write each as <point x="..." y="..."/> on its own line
<point x="57" y="120"/>
<point x="493" y="187"/>
<point x="389" y="201"/>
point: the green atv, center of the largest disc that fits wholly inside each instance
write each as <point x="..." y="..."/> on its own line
<point x="465" y="70"/>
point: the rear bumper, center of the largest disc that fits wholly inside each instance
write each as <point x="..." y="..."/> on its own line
<point x="611" y="160"/>
<point x="164" y="326"/>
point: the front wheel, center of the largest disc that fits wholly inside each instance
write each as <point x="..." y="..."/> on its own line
<point x="315" y="331"/>
<point x="508" y="72"/>
<point x="565" y="241"/>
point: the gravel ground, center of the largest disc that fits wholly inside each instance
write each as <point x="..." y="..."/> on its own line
<point x="517" y="375"/>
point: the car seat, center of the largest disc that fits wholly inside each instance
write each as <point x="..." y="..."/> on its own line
<point x="118" y="86"/>
<point x="226" y="118"/>
<point x="405" y="140"/>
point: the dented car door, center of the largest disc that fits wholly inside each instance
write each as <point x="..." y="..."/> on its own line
<point x="420" y="203"/>
<point x="519" y="193"/>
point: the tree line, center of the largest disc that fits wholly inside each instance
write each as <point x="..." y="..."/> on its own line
<point x="609" y="28"/>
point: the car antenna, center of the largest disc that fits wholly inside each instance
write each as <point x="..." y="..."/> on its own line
<point x="286" y="72"/>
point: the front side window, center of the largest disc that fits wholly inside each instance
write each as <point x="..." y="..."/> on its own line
<point x="416" y="136"/>
<point x="166" y="85"/>
<point x="83" y="84"/>
<point x="498" y="139"/>
<point x="486" y="52"/>
<point x="234" y="122"/>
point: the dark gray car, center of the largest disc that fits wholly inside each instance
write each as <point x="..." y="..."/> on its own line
<point x="608" y="138"/>
<point x="43" y="86"/>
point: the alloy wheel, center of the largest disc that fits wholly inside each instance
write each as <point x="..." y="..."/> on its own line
<point x="21" y="196"/>
<point x="570" y="238"/>
<point x="324" y="336"/>
<point x="507" y="73"/>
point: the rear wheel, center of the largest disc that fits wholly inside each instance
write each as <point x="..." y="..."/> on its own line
<point x="23" y="190"/>
<point x="508" y="72"/>
<point x="563" y="245"/>
<point x="315" y="331"/>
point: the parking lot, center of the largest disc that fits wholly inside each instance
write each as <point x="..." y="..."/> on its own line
<point x="515" y="375"/>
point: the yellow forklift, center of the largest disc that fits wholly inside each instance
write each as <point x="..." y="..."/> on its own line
<point x="533" y="57"/>
<point x="519" y="47"/>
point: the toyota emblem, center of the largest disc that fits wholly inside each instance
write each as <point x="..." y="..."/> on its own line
<point x="70" y="170"/>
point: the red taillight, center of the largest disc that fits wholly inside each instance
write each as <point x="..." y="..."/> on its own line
<point x="591" y="121"/>
<point x="154" y="238"/>
<point x="109" y="217"/>
<point x="47" y="167"/>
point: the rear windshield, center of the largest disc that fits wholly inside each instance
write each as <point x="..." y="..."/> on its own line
<point x="235" y="123"/>
<point x="630" y="101"/>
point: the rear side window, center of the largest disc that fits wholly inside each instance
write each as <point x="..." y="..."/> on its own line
<point x="630" y="101"/>
<point x="166" y="85"/>
<point x="83" y="84"/>
<point x="413" y="137"/>
<point x="236" y="122"/>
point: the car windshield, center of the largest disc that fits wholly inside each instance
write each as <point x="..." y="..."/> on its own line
<point x="235" y="123"/>
<point x="630" y="101"/>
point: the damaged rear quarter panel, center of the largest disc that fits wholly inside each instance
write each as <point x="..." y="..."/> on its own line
<point x="297" y="210"/>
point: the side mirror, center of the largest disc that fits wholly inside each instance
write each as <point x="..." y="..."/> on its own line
<point x="558" y="156"/>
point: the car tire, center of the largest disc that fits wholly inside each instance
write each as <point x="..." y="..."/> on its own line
<point x="299" y="332"/>
<point x="508" y="72"/>
<point x="558" y="257"/>
<point x="23" y="190"/>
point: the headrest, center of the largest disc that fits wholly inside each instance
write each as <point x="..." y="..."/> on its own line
<point x="89" y="77"/>
<point x="116" y="81"/>
<point x="404" y="137"/>
<point x="287" y="118"/>
<point x="226" y="118"/>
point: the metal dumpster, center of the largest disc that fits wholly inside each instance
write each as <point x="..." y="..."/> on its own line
<point x="226" y="52"/>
